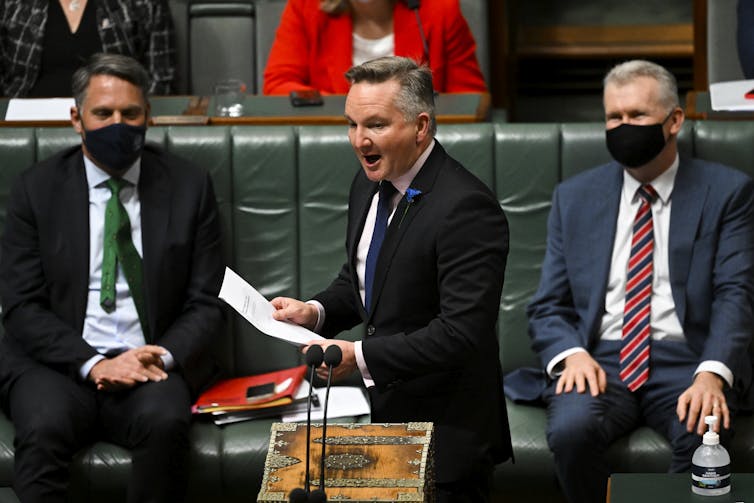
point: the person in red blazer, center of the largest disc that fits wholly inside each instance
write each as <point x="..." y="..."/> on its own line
<point x="313" y="48"/>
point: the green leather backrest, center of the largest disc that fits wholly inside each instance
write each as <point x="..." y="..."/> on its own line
<point x="473" y="145"/>
<point x="527" y="159"/>
<point x="326" y="167"/>
<point x="52" y="140"/>
<point x="582" y="147"/>
<point x="283" y="194"/>
<point x="728" y="142"/>
<point x="18" y="153"/>
<point x="209" y="148"/>
<point x="266" y="234"/>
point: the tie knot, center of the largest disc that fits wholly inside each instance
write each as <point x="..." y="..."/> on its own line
<point x="648" y="193"/>
<point x="116" y="184"/>
<point x="387" y="189"/>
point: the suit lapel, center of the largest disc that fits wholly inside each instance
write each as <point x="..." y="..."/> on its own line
<point x="598" y="242"/>
<point x="404" y="215"/>
<point x="154" y="198"/>
<point x="73" y="206"/>
<point x="688" y="198"/>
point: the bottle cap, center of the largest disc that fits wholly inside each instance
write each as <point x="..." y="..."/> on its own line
<point x="710" y="437"/>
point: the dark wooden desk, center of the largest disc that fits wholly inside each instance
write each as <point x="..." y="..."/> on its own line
<point x="673" y="488"/>
<point x="193" y="110"/>
<point x="699" y="107"/>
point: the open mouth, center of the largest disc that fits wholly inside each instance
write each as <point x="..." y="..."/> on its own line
<point x="371" y="159"/>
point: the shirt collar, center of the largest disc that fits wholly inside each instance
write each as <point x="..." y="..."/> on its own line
<point x="403" y="182"/>
<point x="663" y="184"/>
<point x="96" y="176"/>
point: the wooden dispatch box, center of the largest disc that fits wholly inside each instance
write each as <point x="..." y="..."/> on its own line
<point x="363" y="462"/>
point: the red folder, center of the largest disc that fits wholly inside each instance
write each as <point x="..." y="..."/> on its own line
<point x="251" y="392"/>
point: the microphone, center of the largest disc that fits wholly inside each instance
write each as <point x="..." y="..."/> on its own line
<point x="414" y="6"/>
<point x="298" y="495"/>
<point x="333" y="357"/>
<point x="318" y="496"/>
<point x="314" y="357"/>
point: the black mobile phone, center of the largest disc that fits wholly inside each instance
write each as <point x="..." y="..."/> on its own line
<point x="260" y="392"/>
<point x="306" y="98"/>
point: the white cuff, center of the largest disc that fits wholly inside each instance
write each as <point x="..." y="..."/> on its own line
<point x="718" y="368"/>
<point x="320" y="315"/>
<point x="87" y="366"/>
<point x="362" y="364"/>
<point x="168" y="362"/>
<point x="554" y="372"/>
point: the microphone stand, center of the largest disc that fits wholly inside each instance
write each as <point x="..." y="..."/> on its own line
<point x="333" y="357"/>
<point x="314" y="358"/>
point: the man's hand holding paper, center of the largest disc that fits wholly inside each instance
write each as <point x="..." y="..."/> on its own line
<point x="295" y="311"/>
<point x="252" y="305"/>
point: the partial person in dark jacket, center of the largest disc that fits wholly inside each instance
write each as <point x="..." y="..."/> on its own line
<point x="42" y="42"/>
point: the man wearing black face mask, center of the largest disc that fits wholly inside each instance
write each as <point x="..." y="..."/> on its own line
<point x="109" y="274"/>
<point x="644" y="310"/>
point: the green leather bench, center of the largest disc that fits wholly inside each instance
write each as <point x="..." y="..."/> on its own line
<point x="282" y="193"/>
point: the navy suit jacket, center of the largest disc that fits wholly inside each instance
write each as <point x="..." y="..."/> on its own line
<point x="44" y="268"/>
<point x="431" y="345"/>
<point x="711" y="261"/>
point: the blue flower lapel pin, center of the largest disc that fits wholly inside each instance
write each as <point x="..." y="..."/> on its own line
<point x="412" y="195"/>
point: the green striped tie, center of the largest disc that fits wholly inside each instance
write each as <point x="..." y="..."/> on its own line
<point x="118" y="247"/>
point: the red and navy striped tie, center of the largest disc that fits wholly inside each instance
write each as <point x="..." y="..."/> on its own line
<point x="634" y="353"/>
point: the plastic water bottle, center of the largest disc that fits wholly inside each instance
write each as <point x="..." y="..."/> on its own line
<point x="710" y="466"/>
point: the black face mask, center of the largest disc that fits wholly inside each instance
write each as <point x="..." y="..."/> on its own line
<point x="633" y="146"/>
<point x="116" y="146"/>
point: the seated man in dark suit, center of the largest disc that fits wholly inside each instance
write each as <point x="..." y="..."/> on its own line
<point x="427" y="284"/>
<point x="644" y="309"/>
<point x="111" y="265"/>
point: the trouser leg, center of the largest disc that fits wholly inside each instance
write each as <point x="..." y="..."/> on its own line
<point x="53" y="417"/>
<point x="152" y="420"/>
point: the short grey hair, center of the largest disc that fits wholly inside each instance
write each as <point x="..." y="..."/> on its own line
<point x="627" y="72"/>
<point x="116" y="65"/>
<point x="416" y="94"/>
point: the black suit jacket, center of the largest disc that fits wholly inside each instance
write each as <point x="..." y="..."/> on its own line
<point x="44" y="267"/>
<point x="431" y="345"/>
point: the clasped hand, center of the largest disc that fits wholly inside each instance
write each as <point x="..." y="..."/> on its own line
<point x="132" y="367"/>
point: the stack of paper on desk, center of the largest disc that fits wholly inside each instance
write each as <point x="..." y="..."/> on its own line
<point x="297" y="406"/>
<point x="732" y="95"/>
<point x="260" y="395"/>
<point x="39" y="109"/>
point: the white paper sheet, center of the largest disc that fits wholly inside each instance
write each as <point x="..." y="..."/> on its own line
<point x="252" y="305"/>
<point x="730" y="95"/>
<point x="39" y="109"/>
<point x="345" y="401"/>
